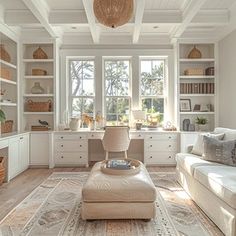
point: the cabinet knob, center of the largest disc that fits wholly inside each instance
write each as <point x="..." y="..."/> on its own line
<point x="62" y="137"/>
<point x="92" y="135"/>
<point x="62" y="145"/>
<point x="169" y="145"/>
<point x="151" y="157"/>
<point x="21" y="137"/>
<point x="80" y="157"/>
<point x="80" y="145"/>
<point x="169" y="157"/>
<point x="62" y="157"/>
<point x="169" y="137"/>
<point x="80" y="137"/>
<point x="139" y="135"/>
<point x="150" y="145"/>
<point x="151" y="137"/>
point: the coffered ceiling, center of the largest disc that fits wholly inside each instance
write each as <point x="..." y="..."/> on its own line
<point x="153" y="22"/>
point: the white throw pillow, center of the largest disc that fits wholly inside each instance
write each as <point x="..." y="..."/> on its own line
<point x="198" y="147"/>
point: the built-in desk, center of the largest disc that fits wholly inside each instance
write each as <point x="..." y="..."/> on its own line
<point x="153" y="147"/>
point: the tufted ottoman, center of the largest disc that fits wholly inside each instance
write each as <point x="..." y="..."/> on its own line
<point x="118" y="196"/>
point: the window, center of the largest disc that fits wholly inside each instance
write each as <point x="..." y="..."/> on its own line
<point x="81" y="87"/>
<point x="117" y="91"/>
<point x="152" y="86"/>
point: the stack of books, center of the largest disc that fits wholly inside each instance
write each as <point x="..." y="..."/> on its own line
<point x="197" y="88"/>
<point x="119" y="164"/>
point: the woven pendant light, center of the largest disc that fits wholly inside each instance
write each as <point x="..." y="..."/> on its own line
<point x="113" y="13"/>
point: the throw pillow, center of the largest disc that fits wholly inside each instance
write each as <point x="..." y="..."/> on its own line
<point x="219" y="151"/>
<point x="198" y="146"/>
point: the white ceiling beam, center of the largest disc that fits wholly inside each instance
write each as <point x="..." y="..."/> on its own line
<point x="88" y="6"/>
<point x="40" y="10"/>
<point x="190" y="11"/>
<point x="140" y="6"/>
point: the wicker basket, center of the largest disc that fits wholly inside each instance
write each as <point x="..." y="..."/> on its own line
<point x="40" y="54"/>
<point x="4" y="55"/>
<point x="39" y="72"/>
<point x="194" y="71"/>
<point x="2" y="170"/>
<point x="7" y="127"/>
<point x="39" y="106"/>
<point x="194" y="53"/>
<point x="5" y="73"/>
<point x="210" y="71"/>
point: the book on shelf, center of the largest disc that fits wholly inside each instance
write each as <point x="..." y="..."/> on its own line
<point x="197" y="88"/>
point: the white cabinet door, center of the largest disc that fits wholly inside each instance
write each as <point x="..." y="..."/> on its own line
<point x="39" y="148"/>
<point x="24" y="152"/>
<point x="13" y="158"/>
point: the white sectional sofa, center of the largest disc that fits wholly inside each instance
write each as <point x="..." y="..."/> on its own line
<point x="211" y="185"/>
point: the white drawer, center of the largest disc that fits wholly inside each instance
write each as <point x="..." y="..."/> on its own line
<point x="71" y="158"/>
<point x="136" y="136"/>
<point x="160" y="158"/>
<point x="96" y="135"/>
<point x="71" y="146"/>
<point x="165" y="146"/>
<point x="70" y="136"/>
<point x="163" y="136"/>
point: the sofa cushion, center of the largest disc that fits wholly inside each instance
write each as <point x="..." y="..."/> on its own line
<point x="221" y="180"/>
<point x="198" y="146"/>
<point x="189" y="162"/>
<point x="220" y="151"/>
<point x="230" y="134"/>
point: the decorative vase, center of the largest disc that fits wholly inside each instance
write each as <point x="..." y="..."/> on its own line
<point x="74" y="124"/>
<point x="37" y="89"/>
<point x="4" y="55"/>
<point x="40" y="54"/>
<point x="194" y="53"/>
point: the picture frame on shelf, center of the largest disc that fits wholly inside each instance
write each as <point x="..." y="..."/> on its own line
<point x="185" y="105"/>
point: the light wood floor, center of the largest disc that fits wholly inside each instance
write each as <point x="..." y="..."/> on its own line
<point x="12" y="193"/>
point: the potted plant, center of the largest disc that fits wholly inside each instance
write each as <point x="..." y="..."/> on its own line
<point x="202" y="124"/>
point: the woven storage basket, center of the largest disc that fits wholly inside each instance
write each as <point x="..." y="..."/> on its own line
<point x="194" y="71"/>
<point x="40" y="54"/>
<point x="194" y="53"/>
<point x="39" y="72"/>
<point x="2" y="170"/>
<point x="5" y="73"/>
<point x="39" y="106"/>
<point x="4" y="55"/>
<point x="7" y="127"/>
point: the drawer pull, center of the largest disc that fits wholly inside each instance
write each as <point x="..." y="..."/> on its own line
<point x="21" y="137"/>
<point x="62" y="145"/>
<point x="80" y="145"/>
<point x="80" y="157"/>
<point x="62" y="137"/>
<point x="151" y="137"/>
<point x="92" y="135"/>
<point x="80" y="137"/>
<point x="150" y="145"/>
<point x="169" y="145"/>
<point x="139" y="135"/>
<point x="151" y="157"/>
<point x="62" y="157"/>
<point x="169" y="137"/>
<point x="169" y="157"/>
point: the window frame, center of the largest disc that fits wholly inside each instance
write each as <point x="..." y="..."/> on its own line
<point x="164" y="96"/>
<point x="129" y="96"/>
<point x="70" y="96"/>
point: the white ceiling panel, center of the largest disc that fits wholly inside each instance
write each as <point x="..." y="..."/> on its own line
<point x="218" y="4"/>
<point x="13" y="4"/>
<point x="65" y="4"/>
<point x="156" y="29"/>
<point x="165" y="4"/>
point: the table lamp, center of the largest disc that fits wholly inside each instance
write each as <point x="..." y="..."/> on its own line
<point x="139" y="117"/>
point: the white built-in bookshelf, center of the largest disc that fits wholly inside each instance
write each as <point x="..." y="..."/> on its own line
<point x="198" y="89"/>
<point x="47" y="82"/>
<point x="9" y="84"/>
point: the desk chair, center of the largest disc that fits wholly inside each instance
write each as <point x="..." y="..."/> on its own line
<point x="116" y="139"/>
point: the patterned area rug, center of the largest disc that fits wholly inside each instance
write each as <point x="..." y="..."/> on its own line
<point x="53" y="208"/>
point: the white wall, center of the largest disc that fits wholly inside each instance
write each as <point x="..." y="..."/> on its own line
<point x="227" y="81"/>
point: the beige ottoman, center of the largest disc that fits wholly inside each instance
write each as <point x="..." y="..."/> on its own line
<point x="118" y="197"/>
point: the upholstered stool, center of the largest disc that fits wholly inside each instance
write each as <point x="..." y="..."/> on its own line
<point x="118" y="196"/>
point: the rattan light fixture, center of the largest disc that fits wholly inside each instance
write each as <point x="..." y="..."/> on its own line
<point x="113" y="13"/>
